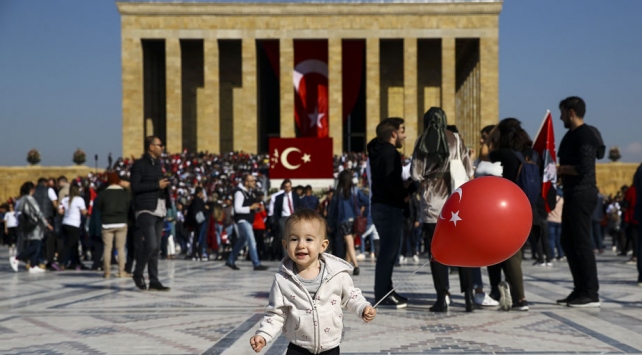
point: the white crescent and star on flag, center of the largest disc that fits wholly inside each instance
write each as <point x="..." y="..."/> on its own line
<point x="454" y="215"/>
<point x="300" y="71"/>
<point x="284" y="159"/>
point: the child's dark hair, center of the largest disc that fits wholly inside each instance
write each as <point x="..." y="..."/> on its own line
<point x="307" y="215"/>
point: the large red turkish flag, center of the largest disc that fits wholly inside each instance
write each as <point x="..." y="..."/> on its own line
<point x="310" y="80"/>
<point x="300" y="158"/>
<point x="544" y="144"/>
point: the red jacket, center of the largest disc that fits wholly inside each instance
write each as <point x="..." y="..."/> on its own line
<point x="630" y="197"/>
<point x="259" y="219"/>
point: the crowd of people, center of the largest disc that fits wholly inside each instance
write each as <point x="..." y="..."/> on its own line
<point x="203" y="206"/>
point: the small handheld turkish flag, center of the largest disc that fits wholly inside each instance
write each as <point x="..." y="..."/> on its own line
<point x="544" y="144"/>
<point x="301" y="158"/>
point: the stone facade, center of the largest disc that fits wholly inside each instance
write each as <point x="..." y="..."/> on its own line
<point x="12" y="177"/>
<point x="463" y="80"/>
<point x="610" y="176"/>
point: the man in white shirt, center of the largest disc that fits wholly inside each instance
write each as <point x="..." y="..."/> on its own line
<point x="245" y="205"/>
<point x="284" y="205"/>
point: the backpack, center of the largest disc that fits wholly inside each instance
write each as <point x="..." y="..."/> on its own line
<point x="528" y="177"/>
<point x="26" y="221"/>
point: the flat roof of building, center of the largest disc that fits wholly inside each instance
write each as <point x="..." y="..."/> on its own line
<point x="313" y="1"/>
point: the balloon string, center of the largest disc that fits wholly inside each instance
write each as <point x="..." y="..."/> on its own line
<point x="402" y="281"/>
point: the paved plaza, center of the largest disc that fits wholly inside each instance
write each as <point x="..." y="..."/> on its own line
<point x="214" y="310"/>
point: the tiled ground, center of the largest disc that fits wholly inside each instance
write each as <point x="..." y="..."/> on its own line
<point x="214" y="310"/>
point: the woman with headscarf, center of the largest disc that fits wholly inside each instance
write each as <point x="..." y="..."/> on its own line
<point x="434" y="151"/>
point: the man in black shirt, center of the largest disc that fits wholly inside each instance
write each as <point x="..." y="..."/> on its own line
<point x="577" y="154"/>
<point x="387" y="194"/>
<point x="151" y="201"/>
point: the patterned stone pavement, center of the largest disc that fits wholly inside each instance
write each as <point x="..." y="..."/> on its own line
<point x="214" y="310"/>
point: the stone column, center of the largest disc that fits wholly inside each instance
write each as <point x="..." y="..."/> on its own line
<point x="489" y="80"/>
<point x="373" y="104"/>
<point x="448" y="78"/>
<point x="335" y="100"/>
<point x="133" y="120"/>
<point x="173" y="84"/>
<point x="410" y="92"/>
<point x="208" y="125"/>
<point x="245" y="128"/>
<point x="286" y="70"/>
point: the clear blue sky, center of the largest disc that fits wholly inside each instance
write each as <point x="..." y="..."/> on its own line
<point x="60" y="77"/>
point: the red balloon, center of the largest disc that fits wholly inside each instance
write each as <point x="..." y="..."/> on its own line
<point x="484" y="222"/>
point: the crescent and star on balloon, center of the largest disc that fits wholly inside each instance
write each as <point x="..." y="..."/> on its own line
<point x="454" y="215"/>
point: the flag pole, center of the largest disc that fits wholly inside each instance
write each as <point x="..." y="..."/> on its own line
<point x="541" y="125"/>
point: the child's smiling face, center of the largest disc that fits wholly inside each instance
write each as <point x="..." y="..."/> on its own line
<point x="304" y="242"/>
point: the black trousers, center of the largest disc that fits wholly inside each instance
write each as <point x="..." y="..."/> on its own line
<point x="70" y="250"/>
<point x="259" y="236"/>
<point x="51" y="246"/>
<point x="297" y="350"/>
<point x="539" y="233"/>
<point x="97" y="250"/>
<point x="129" y="245"/>
<point x="439" y="271"/>
<point x="576" y="241"/>
<point x="147" y="239"/>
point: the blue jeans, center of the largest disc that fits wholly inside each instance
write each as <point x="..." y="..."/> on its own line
<point x="219" y="231"/>
<point x="31" y="253"/>
<point x="370" y="234"/>
<point x="413" y="240"/>
<point x="639" y="236"/>
<point x="596" y="233"/>
<point x="245" y="236"/>
<point x="554" y="234"/>
<point x="389" y="223"/>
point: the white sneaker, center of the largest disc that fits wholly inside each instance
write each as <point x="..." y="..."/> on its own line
<point x="402" y="259"/>
<point x="36" y="270"/>
<point x="415" y="258"/>
<point x="505" y="301"/>
<point x="14" y="263"/>
<point x="361" y="257"/>
<point x="549" y="263"/>
<point x="372" y="255"/>
<point x="485" y="300"/>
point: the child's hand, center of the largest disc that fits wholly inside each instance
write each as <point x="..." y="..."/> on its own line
<point x="257" y="342"/>
<point x="368" y="314"/>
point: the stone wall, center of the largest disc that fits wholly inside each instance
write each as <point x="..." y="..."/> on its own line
<point x="610" y="176"/>
<point x="12" y="177"/>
